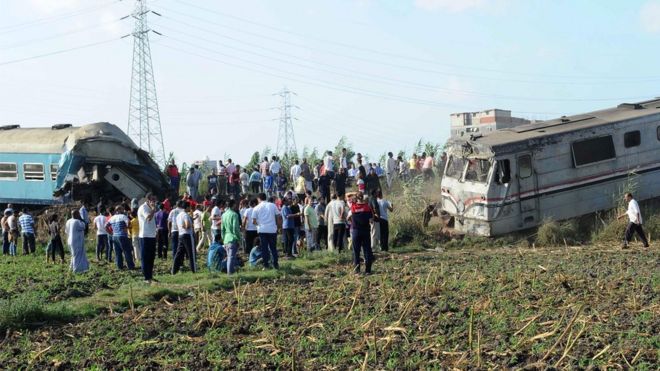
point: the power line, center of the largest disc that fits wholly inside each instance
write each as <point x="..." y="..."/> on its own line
<point x="55" y="18"/>
<point x="395" y="65"/>
<point x="56" y="36"/>
<point x="390" y="54"/>
<point x="368" y="92"/>
<point x="59" y="51"/>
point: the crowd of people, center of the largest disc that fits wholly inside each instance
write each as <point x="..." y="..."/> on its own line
<point x="332" y="204"/>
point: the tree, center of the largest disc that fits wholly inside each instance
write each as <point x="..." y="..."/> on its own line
<point x="254" y="161"/>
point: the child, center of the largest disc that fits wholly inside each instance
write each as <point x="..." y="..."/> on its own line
<point x="133" y="231"/>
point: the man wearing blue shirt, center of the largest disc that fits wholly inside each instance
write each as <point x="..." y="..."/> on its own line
<point x="27" y="231"/>
<point x="119" y="224"/>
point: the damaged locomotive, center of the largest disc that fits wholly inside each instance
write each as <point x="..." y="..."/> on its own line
<point x="63" y="163"/>
<point x="513" y="179"/>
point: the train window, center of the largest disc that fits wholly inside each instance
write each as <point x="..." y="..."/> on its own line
<point x="455" y="167"/>
<point x="33" y="172"/>
<point x="53" y="171"/>
<point x="632" y="139"/>
<point x="524" y="166"/>
<point x="593" y="150"/>
<point x="477" y="170"/>
<point x="8" y="171"/>
<point x="503" y="172"/>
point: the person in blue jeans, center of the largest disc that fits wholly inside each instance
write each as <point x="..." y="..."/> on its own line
<point x="287" y="228"/>
<point x="231" y="234"/>
<point x="122" y="245"/>
<point x="361" y="217"/>
<point x="268" y="221"/>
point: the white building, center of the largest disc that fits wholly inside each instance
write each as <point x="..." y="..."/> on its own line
<point x="467" y="123"/>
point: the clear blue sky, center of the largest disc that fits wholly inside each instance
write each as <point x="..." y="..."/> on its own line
<point x="383" y="73"/>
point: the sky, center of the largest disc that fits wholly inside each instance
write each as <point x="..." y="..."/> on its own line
<point x="383" y="73"/>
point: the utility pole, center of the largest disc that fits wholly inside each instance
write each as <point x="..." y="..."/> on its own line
<point x="286" y="141"/>
<point x="143" y="115"/>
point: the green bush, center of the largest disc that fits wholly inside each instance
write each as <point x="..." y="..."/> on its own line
<point x="29" y="308"/>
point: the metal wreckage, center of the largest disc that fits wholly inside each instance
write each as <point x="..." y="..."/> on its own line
<point x="63" y="163"/>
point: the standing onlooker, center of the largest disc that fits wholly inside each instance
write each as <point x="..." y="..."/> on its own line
<point x="197" y="225"/>
<point x="5" y="232"/>
<point x="249" y="227"/>
<point x="173" y="174"/>
<point x="337" y="207"/>
<point x="390" y="169"/>
<point x="311" y="225"/>
<point x="119" y="223"/>
<point x="343" y="160"/>
<point x="212" y="182"/>
<point x="186" y="247"/>
<point x="75" y="230"/>
<point x="267" y="219"/>
<point x="375" y="225"/>
<point x="102" y="244"/>
<point x="12" y="224"/>
<point x="216" y="219"/>
<point x="295" y="172"/>
<point x="403" y="168"/>
<point x="147" y="236"/>
<point x="634" y="221"/>
<point x="231" y="234"/>
<point x="340" y="184"/>
<point x="384" y="208"/>
<point x="428" y="165"/>
<point x="245" y="181"/>
<point x="360" y="217"/>
<point x="27" y="232"/>
<point x="328" y="165"/>
<point x="174" y="227"/>
<point x="192" y="182"/>
<point x="162" y="233"/>
<point x="84" y="216"/>
<point x="307" y="173"/>
<point x="287" y="228"/>
<point x="268" y="183"/>
<point x="322" y="234"/>
<point x="133" y="232"/>
<point x="55" y="238"/>
<point x="255" y="182"/>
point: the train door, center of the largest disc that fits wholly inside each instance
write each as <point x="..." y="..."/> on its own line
<point x="527" y="190"/>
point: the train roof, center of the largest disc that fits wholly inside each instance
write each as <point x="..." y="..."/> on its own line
<point x="57" y="138"/>
<point x="622" y="112"/>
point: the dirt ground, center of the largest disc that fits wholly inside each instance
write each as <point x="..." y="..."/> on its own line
<point x="581" y="307"/>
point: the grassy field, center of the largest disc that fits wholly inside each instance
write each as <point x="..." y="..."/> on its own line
<point x="466" y="308"/>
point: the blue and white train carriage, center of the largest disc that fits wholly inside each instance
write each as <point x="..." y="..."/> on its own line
<point x="513" y="179"/>
<point x="45" y="166"/>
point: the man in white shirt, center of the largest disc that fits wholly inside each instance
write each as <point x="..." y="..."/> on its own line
<point x="634" y="221"/>
<point x="328" y="165"/>
<point x="186" y="246"/>
<point x="343" y="160"/>
<point x="295" y="172"/>
<point x="147" y="236"/>
<point x="390" y="169"/>
<point x="385" y="207"/>
<point x="174" y="227"/>
<point x="336" y="213"/>
<point x="102" y="242"/>
<point x="268" y="220"/>
<point x="275" y="167"/>
<point x="216" y="218"/>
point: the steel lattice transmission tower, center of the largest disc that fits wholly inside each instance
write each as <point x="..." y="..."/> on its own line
<point x="286" y="141"/>
<point x="143" y="115"/>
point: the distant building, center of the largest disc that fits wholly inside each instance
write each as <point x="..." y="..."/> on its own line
<point x="483" y="122"/>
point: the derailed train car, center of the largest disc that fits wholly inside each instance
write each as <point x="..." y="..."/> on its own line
<point x="513" y="179"/>
<point x="45" y="166"/>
